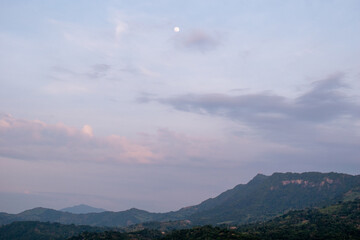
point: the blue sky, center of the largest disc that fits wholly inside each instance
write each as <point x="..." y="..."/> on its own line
<point x="103" y="103"/>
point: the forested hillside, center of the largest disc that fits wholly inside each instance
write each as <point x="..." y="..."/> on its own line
<point x="263" y="198"/>
<point x="339" y="221"/>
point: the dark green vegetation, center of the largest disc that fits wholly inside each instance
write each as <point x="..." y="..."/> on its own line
<point x="112" y="235"/>
<point x="339" y="221"/>
<point x="263" y="198"/>
<point x="43" y="231"/>
<point x="206" y="233"/>
<point x="160" y="226"/>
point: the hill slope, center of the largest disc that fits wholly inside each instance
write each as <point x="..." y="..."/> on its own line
<point x="339" y="221"/>
<point x="263" y="198"/>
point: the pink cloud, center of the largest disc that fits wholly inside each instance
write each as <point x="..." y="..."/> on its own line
<point x="36" y="140"/>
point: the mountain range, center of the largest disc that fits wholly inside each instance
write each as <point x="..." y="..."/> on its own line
<point x="338" y="221"/>
<point x="263" y="198"/>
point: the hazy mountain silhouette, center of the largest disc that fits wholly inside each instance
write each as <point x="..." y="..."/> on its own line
<point x="82" y="209"/>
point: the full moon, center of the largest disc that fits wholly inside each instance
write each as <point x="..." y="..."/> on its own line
<point x="176" y="29"/>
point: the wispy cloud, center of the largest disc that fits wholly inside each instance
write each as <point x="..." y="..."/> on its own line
<point x="99" y="71"/>
<point x="198" y="40"/>
<point x="120" y="28"/>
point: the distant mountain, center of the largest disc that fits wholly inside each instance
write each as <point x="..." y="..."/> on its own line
<point x="263" y="198"/>
<point x="113" y="219"/>
<point x="82" y="209"/>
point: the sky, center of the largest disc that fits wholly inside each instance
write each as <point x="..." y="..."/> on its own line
<point x="161" y="104"/>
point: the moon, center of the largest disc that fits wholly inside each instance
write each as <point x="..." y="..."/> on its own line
<point x="176" y="29"/>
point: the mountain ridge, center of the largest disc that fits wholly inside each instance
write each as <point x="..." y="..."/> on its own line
<point x="337" y="221"/>
<point x="265" y="197"/>
<point x="262" y="198"/>
<point x="82" y="209"/>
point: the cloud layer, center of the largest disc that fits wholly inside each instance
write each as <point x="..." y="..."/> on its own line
<point x="36" y="140"/>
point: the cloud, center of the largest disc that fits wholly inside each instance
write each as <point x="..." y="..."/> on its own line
<point x="63" y="87"/>
<point x="120" y="28"/>
<point x="87" y="129"/>
<point x="317" y="127"/>
<point x="95" y="71"/>
<point x="219" y="151"/>
<point x="98" y="71"/>
<point x="325" y="102"/>
<point x="73" y="82"/>
<point x="321" y="121"/>
<point x="101" y="67"/>
<point x="36" y="140"/>
<point x="198" y="40"/>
